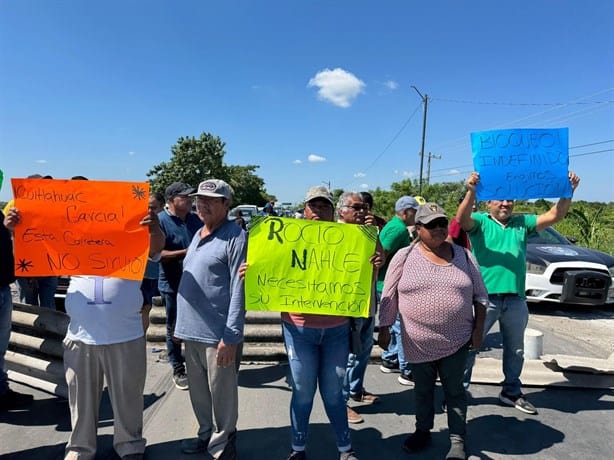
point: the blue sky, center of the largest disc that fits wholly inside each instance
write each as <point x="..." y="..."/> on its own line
<point x="312" y="92"/>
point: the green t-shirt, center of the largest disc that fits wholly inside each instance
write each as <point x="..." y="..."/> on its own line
<point x="392" y="237"/>
<point x="501" y="251"/>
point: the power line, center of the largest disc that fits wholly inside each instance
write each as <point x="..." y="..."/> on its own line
<point x="570" y="156"/>
<point x="394" y="138"/>
<point x="513" y="104"/>
<point x="595" y="152"/>
<point x="589" y="145"/>
<point x="458" y="141"/>
<point x="591" y="153"/>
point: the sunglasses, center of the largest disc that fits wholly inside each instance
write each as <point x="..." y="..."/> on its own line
<point x="441" y="223"/>
<point x="358" y="207"/>
<point x="319" y="205"/>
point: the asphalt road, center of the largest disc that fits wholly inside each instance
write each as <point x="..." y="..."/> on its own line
<point x="573" y="423"/>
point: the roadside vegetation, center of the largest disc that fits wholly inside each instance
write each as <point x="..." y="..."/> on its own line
<point x="590" y="223"/>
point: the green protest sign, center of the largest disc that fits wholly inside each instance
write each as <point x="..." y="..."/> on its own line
<point x="308" y="266"/>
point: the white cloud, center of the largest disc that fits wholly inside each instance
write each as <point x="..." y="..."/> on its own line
<point x="337" y="86"/>
<point x="315" y="158"/>
<point x="405" y="173"/>
<point x="360" y="174"/>
<point x="297" y="162"/>
<point x="391" y="85"/>
<point x="364" y="186"/>
<point x="453" y="171"/>
<point x="131" y="153"/>
<point x="42" y="162"/>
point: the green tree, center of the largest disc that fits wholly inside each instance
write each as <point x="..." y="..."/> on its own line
<point x="249" y="188"/>
<point x="445" y="194"/>
<point x="196" y="159"/>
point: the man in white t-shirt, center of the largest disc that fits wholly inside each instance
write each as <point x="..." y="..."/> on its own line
<point x="105" y="340"/>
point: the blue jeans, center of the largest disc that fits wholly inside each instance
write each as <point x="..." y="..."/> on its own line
<point x="317" y="357"/>
<point x="173" y="347"/>
<point x="6" y="310"/>
<point x="32" y="289"/>
<point x="357" y="364"/>
<point x="513" y="315"/>
<point x="395" y="348"/>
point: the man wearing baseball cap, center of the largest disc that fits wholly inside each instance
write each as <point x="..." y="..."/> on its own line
<point x="393" y="237"/>
<point x="210" y="319"/>
<point x="179" y="224"/>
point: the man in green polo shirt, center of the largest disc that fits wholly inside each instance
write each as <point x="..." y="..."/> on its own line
<point x="394" y="236"/>
<point x="499" y="242"/>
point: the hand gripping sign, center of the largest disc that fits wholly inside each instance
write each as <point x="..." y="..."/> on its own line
<point x="521" y="163"/>
<point x="71" y="227"/>
<point x="308" y="266"/>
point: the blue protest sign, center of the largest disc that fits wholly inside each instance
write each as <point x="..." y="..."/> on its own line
<point x="521" y="163"/>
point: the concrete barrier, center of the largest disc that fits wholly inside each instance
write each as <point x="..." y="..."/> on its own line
<point x="35" y="354"/>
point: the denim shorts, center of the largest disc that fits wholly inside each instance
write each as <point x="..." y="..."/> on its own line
<point x="149" y="289"/>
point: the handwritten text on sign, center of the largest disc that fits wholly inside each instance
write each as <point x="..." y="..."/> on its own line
<point x="307" y="266"/>
<point x="77" y="227"/>
<point x="521" y="163"/>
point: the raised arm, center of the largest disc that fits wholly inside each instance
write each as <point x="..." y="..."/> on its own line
<point x="559" y="210"/>
<point x="156" y="235"/>
<point x="463" y="214"/>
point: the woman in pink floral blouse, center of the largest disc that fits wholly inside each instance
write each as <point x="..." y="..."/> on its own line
<point x="437" y="289"/>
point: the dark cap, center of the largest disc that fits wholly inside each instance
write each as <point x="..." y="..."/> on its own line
<point x="428" y="212"/>
<point x="178" y="188"/>
<point x="38" y="176"/>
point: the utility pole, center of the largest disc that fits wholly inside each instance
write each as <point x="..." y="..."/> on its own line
<point x="428" y="166"/>
<point x="425" y="100"/>
<point x="327" y="184"/>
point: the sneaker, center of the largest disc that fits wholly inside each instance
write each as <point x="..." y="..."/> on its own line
<point x="181" y="380"/>
<point x="417" y="441"/>
<point x="349" y="455"/>
<point x="388" y="367"/>
<point x="297" y="455"/>
<point x="14" y="400"/>
<point x="353" y="416"/>
<point x="405" y="379"/>
<point x="457" y="450"/>
<point x="193" y="446"/>
<point x="365" y="397"/>
<point x="519" y="402"/>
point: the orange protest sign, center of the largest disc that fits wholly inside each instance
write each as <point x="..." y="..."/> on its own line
<point x="77" y="227"/>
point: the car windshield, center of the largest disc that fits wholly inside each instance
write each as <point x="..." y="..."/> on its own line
<point x="547" y="236"/>
<point x="245" y="212"/>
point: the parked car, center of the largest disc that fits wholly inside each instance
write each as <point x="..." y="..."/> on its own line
<point x="247" y="210"/>
<point x="559" y="271"/>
